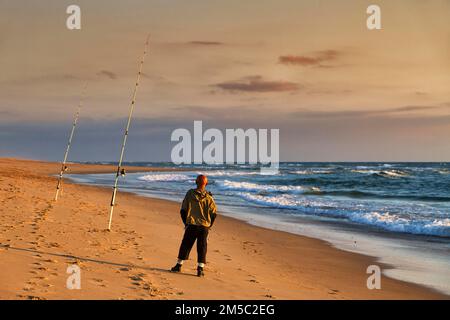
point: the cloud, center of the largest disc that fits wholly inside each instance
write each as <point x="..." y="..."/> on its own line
<point x="313" y="60"/>
<point x="298" y="60"/>
<point x="108" y="74"/>
<point x="366" y="113"/>
<point x="206" y="43"/>
<point x="257" y="84"/>
<point x="413" y="108"/>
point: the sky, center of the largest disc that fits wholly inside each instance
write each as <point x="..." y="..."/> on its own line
<point x="336" y="90"/>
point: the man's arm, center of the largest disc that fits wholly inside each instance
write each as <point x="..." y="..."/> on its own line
<point x="213" y="218"/>
<point x="183" y="214"/>
<point x="184" y="209"/>
<point x="212" y="211"/>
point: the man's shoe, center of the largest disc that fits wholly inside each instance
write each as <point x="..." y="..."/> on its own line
<point x="200" y="272"/>
<point x="177" y="268"/>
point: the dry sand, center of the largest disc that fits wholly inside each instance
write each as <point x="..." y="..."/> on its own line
<point x="39" y="239"/>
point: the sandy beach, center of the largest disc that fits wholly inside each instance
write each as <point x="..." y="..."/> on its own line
<point x="39" y="239"/>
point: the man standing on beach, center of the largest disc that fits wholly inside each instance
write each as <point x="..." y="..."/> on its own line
<point x="198" y="212"/>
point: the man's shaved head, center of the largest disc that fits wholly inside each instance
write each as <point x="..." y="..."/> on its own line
<point x="201" y="181"/>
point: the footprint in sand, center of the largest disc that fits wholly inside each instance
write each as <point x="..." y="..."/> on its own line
<point x="28" y="289"/>
<point x="50" y="261"/>
<point x="333" y="291"/>
<point x="99" y="282"/>
<point x="139" y="281"/>
<point x="125" y="269"/>
<point x="138" y="277"/>
<point x="35" y="298"/>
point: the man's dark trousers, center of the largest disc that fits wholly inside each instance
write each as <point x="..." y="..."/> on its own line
<point x="192" y="233"/>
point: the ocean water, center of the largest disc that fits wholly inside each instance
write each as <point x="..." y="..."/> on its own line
<point x="398" y="212"/>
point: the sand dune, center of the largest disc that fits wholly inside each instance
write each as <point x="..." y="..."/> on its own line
<point x="39" y="239"/>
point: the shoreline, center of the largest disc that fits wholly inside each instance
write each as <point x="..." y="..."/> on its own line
<point x="245" y="261"/>
<point x="419" y="259"/>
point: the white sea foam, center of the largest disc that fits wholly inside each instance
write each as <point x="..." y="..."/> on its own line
<point x="359" y="214"/>
<point x="384" y="173"/>
<point x="285" y="201"/>
<point x="254" y="187"/>
<point x="365" y="171"/>
<point x="393" y="173"/>
<point x="393" y="222"/>
<point x="221" y="173"/>
<point x="308" y="172"/>
<point x="168" y="177"/>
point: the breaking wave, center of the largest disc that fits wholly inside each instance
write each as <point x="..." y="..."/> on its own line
<point x="384" y="220"/>
<point x="167" y="177"/>
<point x="253" y="187"/>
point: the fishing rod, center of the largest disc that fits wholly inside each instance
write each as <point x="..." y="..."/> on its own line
<point x="69" y="143"/>
<point x="120" y="171"/>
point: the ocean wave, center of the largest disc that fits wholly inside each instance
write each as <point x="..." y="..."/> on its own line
<point x="241" y="186"/>
<point x="382" y="173"/>
<point x="384" y="220"/>
<point x="364" y="167"/>
<point x="221" y="173"/>
<point x="307" y="172"/>
<point x="283" y="201"/>
<point x="392" y="173"/>
<point x="254" y="187"/>
<point x="167" y="177"/>
<point x="365" y="171"/>
<point x="373" y="195"/>
<point x="392" y="222"/>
